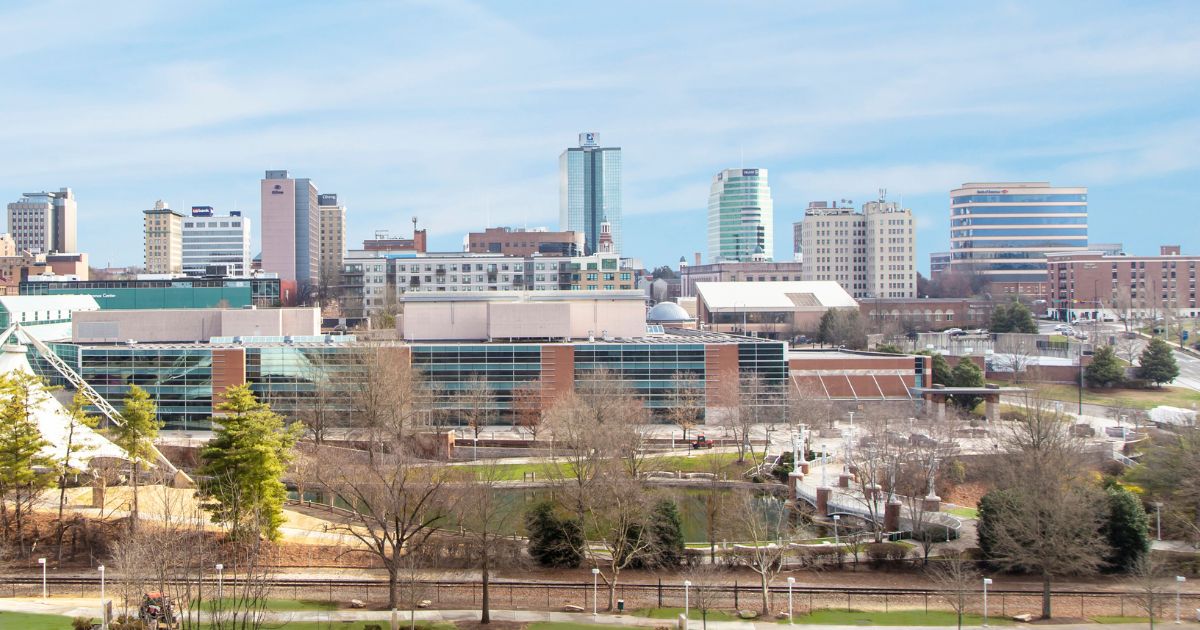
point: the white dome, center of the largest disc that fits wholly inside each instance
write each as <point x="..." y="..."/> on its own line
<point x="667" y="312"/>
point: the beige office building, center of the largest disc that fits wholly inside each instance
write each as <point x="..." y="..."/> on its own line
<point x="871" y="253"/>
<point x="164" y="239"/>
<point x="333" y="239"/>
<point x="44" y="222"/>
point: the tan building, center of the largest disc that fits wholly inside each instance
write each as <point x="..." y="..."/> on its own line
<point x="517" y="315"/>
<point x="8" y="246"/>
<point x="44" y="221"/>
<point x="522" y="242"/>
<point x="164" y="239"/>
<point x="871" y="253"/>
<point x="778" y="271"/>
<point x="333" y="239"/>
<point x="775" y="310"/>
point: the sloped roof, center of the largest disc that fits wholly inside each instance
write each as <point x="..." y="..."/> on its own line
<point x="773" y="296"/>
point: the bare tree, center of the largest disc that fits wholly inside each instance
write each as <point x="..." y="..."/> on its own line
<point x="956" y="580"/>
<point x="476" y="405"/>
<point x="484" y="515"/>
<point x="1016" y="353"/>
<point x="918" y="475"/>
<point x="397" y="506"/>
<point x="687" y="402"/>
<point x="389" y="399"/>
<point x="705" y="591"/>
<point x="764" y="524"/>
<point x="876" y="460"/>
<point x="1051" y="517"/>
<point x="1146" y="582"/>
<point x="527" y="409"/>
<point x="617" y="523"/>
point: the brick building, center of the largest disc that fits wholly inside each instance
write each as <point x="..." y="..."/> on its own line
<point x="1091" y="285"/>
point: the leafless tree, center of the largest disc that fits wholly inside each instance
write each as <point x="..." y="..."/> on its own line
<point x="705" y="591"/>
<point x="476" y="405"/>
<point x="323" y="408"/>
<point x="397" y="505"/>
<point x="1146" y="582"/>
<point x="765" y="525"/>
<point x="484" y="515"/>
<point x="917" y="479"/>
<point x="1016" y="352"/>
<point x="389" y="399"/>
<point x="1051" y="519"/>
<point x="956" y="580"/>
<point x="687" y="402"/>
<point x="876" y="460"/>
<point x="616" y="528"/>
<point x="527" y="409"/>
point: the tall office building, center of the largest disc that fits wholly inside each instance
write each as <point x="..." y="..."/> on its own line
<point x="333" y="239"/>
<point x="290" y="229"/>
<point x="939" y="263"/>
<point x="872" y="253"/>
<point x="1004" y="230"/>
<point x="44" y="221"/>
<point x="740" y="216"/>
<point x="163" y="229"/>
<point x="215" y="244"/>
<point x="589" y="191"/>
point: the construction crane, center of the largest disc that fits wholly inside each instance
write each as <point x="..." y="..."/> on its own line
<point x="180" y="478"/>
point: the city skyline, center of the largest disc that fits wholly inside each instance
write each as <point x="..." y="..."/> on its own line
<point x="189" y="113"/>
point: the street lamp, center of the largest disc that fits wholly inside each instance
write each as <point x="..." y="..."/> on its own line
<point x="986" y="583"/>
<point x="220" y="589"/>
<point x="595" y="589"/>
<point x="103" y="607"/>
<point x="836" y="518"/>
<point x="1179" y="580"/>
<point x="791" y="581"/>
<point x="851" y="419"/>
<point x="42" y="561"/>
<point x="1158" y="517"/>
<point x="686" y="605"/>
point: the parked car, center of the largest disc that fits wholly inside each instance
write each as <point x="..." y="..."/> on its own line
<point x="953" y="332"/>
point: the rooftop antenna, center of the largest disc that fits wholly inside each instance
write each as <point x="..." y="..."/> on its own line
<point x="882" y="194"/>
<point x="414" y="220"/>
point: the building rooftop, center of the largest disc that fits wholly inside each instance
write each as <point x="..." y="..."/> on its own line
<point x="773" y="296"/>
<point x="521" y="296"/>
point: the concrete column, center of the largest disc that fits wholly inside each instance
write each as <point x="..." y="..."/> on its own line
<point x="823" y="495"/>
<point x="992" y="408"/>
<point x="844" y="480"/>
<point x="804" y="467"/>
<point x="932" y="503"/>
<point x="794" y="479"/>
<point x="941" y="409"/>
<point x="891" y="515"/>
<point x="872" y="491"/>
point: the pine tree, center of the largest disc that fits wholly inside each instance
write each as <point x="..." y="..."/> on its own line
<point x="139" y="426"/>
<point x="966" y="374"/>
<point x="554" y="541"/>
<point x="21" y="446"/>
<point x="666" y="527"/>
<point x="1013" y="317"/>
<point x="243" y="465"/>
<point x="1105" y="369"/>
<point x="1127" y="529"/>
<point x="1157" y="363"/>
<point x="941" y="369"/>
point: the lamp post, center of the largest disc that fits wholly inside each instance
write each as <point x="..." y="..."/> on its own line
<point x="686" y="604"/>
<point x="836" y="518"/>
<point x="851" y="419"/>
<point x="986" y="582"/>
<point x="1179" y="580"/>
<point x="103" y="607"/>
<point x="1158" y="518"/>
<point x="220" y="590"/>
<point x="595" y="589"/>
<point x="791" y="581"/>
<point x="42" y="561"/>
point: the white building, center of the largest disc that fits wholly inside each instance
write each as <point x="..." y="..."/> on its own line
<point x="741" y="216"/>
<point x="871" y="253"/>
<point x="216" y="241"/>
<point x="44" y="221"/>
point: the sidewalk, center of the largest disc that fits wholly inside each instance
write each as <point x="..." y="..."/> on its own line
<point x="72" y="607"/>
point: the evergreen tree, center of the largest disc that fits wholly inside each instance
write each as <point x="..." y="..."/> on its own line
<point x="139" y="426"/>
<point x="991" y="505"/>
<point x="1013" y="317"/>
<point x="840" y="327"/>
<point x="554" y="541"/>
<point x="1105" y="369"/>
<point x="1127" y="529"/>
<point x="21" y="446"/>
<point x="966" y="374"/>
<point x="941" y="369"/>
<point x="888" y="348"/>
<point x="666" y="538"/>
<point x="1157" y="363"/>
<point x="243" y="465"/>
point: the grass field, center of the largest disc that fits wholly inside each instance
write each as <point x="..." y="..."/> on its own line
<point x="564" y="625"/>
<point x="1115" y="619"/>
<point x="725" y="463"/>
<point x="31" y="621"/>
<point x="325" y="625"/>
<point x="281" y="605"/>
<point x="1136" y="398"/>
<point x="964" y="512"/>
<point x="673" y="613"/>
<point x="828" y="617"/>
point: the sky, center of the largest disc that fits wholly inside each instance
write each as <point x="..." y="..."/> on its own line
<point x="456" y="112"/>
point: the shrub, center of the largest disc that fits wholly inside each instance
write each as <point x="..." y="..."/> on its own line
<point x="886" y="552"/>
<point x="554" y="541"/>
<point x="81" y="623"/>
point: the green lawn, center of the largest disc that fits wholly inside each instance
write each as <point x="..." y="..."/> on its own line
<point x="673" y="613"/>
<point x="31" y="621"/>
<point x="1137" y="398"/>
<point x="964" y="512"/>
<point x="725" y="463"/>
<point x="281" y="605"/>
<point x="357" y="625"/>
<point x="568" y="625"/>
<point x="1115" y="619"/>
<point x="829" y="617"/>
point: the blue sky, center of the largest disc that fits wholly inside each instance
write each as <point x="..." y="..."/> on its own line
<point x="456" y="112"/>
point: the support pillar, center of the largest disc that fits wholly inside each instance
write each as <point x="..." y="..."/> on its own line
<point x="891" y="515"/>
<point x="804" y="467"/>
<point x="794" y="479"/>
<point x="844" y="480"/>
<point x="823" y="494"/>
<point x="931" y="503"/>
<point x="872" y="492"/>
<point x="992" y="408"/>
<point x="941" y="409"/>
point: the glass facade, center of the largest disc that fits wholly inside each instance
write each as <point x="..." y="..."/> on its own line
<point x="590" y="193"/>
<point x="175" y="293"/>
<point x="740" y="215"/>
<point x="1004" y="231"/>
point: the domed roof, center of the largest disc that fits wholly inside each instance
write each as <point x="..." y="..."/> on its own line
<point x="667" y="312"/>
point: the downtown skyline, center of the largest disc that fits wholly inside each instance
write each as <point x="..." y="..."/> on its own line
<point x="464" y="129"/>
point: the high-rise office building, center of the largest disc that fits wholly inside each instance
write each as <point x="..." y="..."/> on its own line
<point x="333" y="239"/>
<point x="871" y="253"/>
<point x="740" y="216"/>
<point x="589" y="191"/>
<point x="44" y="221"/>
<point x="290" y="229"/>
<point x="163" y="228"/>
<point x="1004" y="230"/>
<point x="215" y="244"/>
<point x="939" y="263"/>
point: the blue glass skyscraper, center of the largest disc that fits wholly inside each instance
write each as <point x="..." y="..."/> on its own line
<point x="589" y="191"/>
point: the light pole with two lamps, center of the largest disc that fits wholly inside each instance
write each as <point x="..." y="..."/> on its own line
<point x="595" y="589"/>
<point x="686" y="604"/>
<point x="791" y="581"/>
<point x="986" y="582"/>
<point x="220" y="590"/>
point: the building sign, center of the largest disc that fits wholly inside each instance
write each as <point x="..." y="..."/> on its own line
<point x="749" y="172"/>
<point x="991" y="191"/>
<point x="277" y="190"/>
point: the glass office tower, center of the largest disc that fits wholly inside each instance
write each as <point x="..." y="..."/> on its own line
<point x="589" y="191"/>
<point x="740" y="216"/>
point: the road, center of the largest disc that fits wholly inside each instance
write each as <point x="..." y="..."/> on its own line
<point x="1189" y="365"/>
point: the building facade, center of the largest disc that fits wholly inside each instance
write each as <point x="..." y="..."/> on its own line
<point x="525" y="242"/>
<point x="589" y="191"/>
<point x="173" y="293"/>
<point x="926" y="314"/>
<point x="1004" y="230"/>
<point x="939" y="263"/>
<point x="1095" y="286"/>
<point x="782" y="271"/>
<point x="290" y="229"/>
<point x="163" y="228"/>
<point x="216" y="243"/>
<point x="772" y="310"/>
<point x="44" y="222"/>
<point x="333" y="239"/>
<point x="871" y="253"/>
<point x="741" y="216"/>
